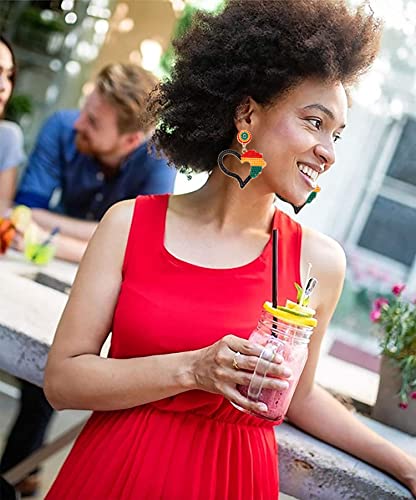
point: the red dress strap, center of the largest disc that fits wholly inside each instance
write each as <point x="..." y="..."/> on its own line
<point x="147" y="227"/>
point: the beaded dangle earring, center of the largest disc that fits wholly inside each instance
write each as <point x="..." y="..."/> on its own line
<point x="310" y="199"/>
<point x="252" y="157"/>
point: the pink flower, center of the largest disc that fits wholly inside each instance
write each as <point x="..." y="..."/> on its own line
<point x="404" y="406"/>
<point x="398" y="289"/>
<point x="380" y="303"/>
<point x="375" y="315"/>
<point x="413" y="395"/>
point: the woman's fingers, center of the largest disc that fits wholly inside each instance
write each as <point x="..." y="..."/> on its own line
<point x="240" y="377"/>
<point x="242" y="346"/>
<point x="232" y="361"/>
<point x="233" y="395"/>
<point x="240" y="354"/>
<point x="249" y="363"/>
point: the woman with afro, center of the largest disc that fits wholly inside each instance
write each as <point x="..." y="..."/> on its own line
<point x="180" y="280"/>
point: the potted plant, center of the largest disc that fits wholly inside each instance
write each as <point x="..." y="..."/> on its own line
<point x="395" y="317"/>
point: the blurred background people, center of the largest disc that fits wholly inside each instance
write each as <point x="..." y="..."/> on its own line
<point x="11" y="137"/>
<point x="93" y="158"/>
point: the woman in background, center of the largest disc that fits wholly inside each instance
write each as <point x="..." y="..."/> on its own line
<point x="11" y="137"/>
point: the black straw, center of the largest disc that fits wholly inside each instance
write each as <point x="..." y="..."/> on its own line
<point x="274" y="269"/>
<point x="274" y="280"/>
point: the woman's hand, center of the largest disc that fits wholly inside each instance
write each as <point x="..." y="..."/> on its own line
<point x="34" y="233"/>
<point x="214" y="370"/>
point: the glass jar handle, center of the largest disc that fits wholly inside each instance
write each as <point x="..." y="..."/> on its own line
<point x="262" y="367"/>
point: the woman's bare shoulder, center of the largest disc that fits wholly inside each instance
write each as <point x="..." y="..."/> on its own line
<point x="118" y="217"/>
<point x="326" y="254"/>
<point x="111" y="235"/>
<point x="328" y="260"/>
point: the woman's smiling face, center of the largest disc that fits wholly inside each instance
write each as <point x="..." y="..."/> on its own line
<point x="297" y="136"/>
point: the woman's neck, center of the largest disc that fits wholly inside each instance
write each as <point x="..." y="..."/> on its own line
<point x="222" y="202"/>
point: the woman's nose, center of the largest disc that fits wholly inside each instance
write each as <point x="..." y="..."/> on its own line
<point x="325" y="153"/>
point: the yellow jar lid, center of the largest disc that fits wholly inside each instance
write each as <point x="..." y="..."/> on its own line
<point x="290" y="317"/>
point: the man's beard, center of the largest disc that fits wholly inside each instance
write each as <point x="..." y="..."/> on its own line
<point x="83" y="145"/>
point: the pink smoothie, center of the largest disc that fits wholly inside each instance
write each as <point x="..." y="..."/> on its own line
<point x="278" y="401"/>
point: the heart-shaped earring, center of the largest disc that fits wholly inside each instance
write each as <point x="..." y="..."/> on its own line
<point x="252" y="157"/>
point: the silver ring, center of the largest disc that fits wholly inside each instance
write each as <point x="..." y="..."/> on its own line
<point x="235" y="363"/>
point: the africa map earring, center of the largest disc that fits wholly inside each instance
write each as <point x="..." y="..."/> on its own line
<point x="310" y="199"/>
<point x="252" y="157"/>
<point x="312" y="196"/>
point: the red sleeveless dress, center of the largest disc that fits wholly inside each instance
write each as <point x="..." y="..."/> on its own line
<point x="195" y="445"/>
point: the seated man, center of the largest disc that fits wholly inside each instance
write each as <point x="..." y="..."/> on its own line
<point x="93" y="158"/>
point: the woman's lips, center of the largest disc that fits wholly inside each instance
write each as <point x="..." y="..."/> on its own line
<point x="311" y="184"/>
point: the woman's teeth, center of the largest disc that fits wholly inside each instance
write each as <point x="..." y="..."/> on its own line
<point x="312" y="174"/>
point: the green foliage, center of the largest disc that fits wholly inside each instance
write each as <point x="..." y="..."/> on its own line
<point x="396" y="320"/>
<point x="184" y="22"/>
<point x="18" y="106"/>
<point x="167" y="60"/>
<point x="32" y="17"/>
<point x="353" y="309"/>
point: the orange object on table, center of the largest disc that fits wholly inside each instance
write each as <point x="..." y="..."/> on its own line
<point x="7" y="233"/>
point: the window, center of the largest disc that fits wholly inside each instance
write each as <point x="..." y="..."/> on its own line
<point x="385" y="225"/>
<point x="390" y="230"/>
<point x="403" y="165"/>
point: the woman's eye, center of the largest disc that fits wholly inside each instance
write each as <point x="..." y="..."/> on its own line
<point x="315" y="122"/>
<point x="337" y="138"/>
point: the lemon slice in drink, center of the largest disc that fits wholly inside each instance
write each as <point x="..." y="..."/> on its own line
<point x="302" y="310"/>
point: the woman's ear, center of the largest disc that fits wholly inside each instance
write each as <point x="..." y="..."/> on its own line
<point x="244" y="113"/>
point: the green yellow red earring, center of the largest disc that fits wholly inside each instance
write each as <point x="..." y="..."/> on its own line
<point x="310" y="199"/>
<point x="244" y="137"/>
<point x="252" y="157"/>
<point x="312" y="196"/>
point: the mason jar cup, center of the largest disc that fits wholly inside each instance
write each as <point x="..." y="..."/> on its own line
<point x="280" y="331"/>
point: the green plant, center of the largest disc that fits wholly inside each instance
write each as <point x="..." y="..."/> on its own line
<point x="32" y="17"/>
<point x="396" y="321"/>
<point x="182" y="25"/>
<point x="18" y="106"/>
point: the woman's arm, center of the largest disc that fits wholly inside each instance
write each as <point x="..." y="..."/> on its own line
<point x="313" y="409"/>
<point x="7" y="188"/>
<point x="322" y="416"/>
<point x="77" y="377"/>
<point x="74" y="234"/>
<point x="68" y="226"/>
<point x="98" y="383"/>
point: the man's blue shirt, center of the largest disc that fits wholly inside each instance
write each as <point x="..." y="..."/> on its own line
<point x="86" y="193"/>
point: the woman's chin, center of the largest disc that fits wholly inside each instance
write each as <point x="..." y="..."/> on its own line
<point x="296" y="201"/>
